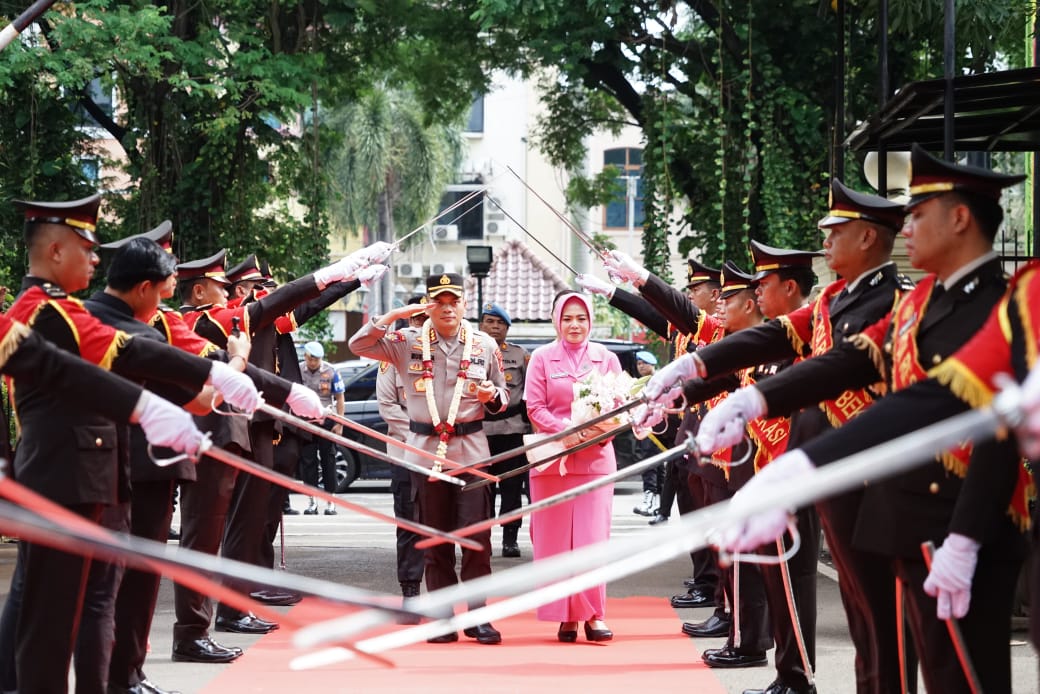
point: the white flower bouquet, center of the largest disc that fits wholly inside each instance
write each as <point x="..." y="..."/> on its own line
<point x="600" y="393"/>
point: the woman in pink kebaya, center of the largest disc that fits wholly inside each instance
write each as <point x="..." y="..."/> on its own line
<point x="549" y="391"/>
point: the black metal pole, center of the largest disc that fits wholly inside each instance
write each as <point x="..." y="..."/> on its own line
<point x="480" y="296"/>
<point x="883" y="87"/>
<point x="949" y="46"/>
<point x="838" y="147"/>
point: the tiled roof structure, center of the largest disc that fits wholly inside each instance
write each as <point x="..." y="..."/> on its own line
<point x="520" y="282"/>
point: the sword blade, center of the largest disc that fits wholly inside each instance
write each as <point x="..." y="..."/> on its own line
<point x="582" y="236"/>
<point x="599" y="438"/>
<point x="368" y="431"/>
<point x="624" y="556"/>
<point x="569" y="494"/>
<point x="315" y="430"/>
<point x="237" y="461"/>
<point x="532" y="236"/>
<point x="506" y="455"/>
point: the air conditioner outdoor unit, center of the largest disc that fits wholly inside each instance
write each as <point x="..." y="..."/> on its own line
<point x="494" y="229"/>
<point x="446" y="232"/>
<point x="442" y="268"/>
<point x="410" y="270"/>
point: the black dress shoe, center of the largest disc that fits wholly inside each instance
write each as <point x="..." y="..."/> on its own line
<point x="276" y="597"/>
<point x="450" y="637"/>
<point x="203" y="650"/>
<point x="510" y="549"/>
<point x="658" y="519"/>
<point x="727" y="657"/>
<point x="694" y="598"/>
<point x="778" y="687"/>
<point x="146" y="686"/>
<point x="173" y="534"/>
<point x="712" y="626"/>
<point x="592" y="634"/>
<point x="483" y="633"/>
<point x="567" y="635"/>
<point x="246" y="624"/>
<point x="290" y="511"/>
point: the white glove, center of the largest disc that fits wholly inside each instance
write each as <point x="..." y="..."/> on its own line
<point x="371" y="274"/>
<point x="623" y="266"/>
<point x="1029" y="431"/>
<point x="165" y="424"/>
<point x="764" y="526"/>
<point x="723" y="426"/>
<point x="304" y="402"/>
<point x="645" y="418"/>
<point x="237" y="388"/>
<point x="377" y="253"/>
<point x="348" y="267"/>
<point x="594" y="285"/>
<point x="676" y="373"/>
<point x="949" y="581"/>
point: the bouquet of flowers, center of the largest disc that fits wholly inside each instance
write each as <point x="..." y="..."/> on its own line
<point x="599" y="393"/>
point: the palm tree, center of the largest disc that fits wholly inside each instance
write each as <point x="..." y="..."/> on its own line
<point x="390" y="169"/>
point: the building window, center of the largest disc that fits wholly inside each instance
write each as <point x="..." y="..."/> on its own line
<point x="468" y="217"/>
<point x="475" y="121"/>
<point x="629" y="162"/>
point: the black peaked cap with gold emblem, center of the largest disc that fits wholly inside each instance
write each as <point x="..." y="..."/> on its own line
<point x="769" y="259"/>
<point x="211" y="267"/>
<point x="931" y="176"/>
<point x="79" y="215"/>
<point x="734" y="279"/>
<point x="248" y="269"/>
<point x="846" y="205"/>
<point x="162" y="235"/>
<point x="697" y="272"/>
<point x="446" y="282"/>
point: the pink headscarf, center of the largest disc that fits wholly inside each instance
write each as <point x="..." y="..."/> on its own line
<point x="557" y="314"/>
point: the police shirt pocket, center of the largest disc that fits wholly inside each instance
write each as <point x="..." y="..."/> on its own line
<point x="95" y="440"/>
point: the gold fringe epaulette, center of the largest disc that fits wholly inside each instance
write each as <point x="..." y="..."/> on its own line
<point x="119" y="341"/>
<point x="1023" y="521"/>
<point x="968" y="387"/>
<point x="11" y="341"/>
<point x="861" y="342"/>
<point x="797" y="343"/>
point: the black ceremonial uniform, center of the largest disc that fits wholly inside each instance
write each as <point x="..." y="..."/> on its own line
<point x="287" y="439"/>
<point x="895" y="516"/>
<point x="71" y="458"/>
<point x="222" y="506"/>
<point x="705" y="568"/>
<point x="847" y="313"/>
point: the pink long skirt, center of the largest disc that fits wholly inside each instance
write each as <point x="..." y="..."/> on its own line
<point x="576" y="523"/>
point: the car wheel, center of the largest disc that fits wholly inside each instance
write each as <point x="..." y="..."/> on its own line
<point x="346" y="469"/>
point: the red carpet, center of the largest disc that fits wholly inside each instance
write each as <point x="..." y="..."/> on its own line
<point x="648" y="654"/>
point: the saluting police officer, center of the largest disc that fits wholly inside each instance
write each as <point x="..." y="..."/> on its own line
<point x="453" y="375"/>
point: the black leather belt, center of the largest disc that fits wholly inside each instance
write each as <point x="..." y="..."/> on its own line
<point x="510" y="411"/>
<point x="461" y="428"/>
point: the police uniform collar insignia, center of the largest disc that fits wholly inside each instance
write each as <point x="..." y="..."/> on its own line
<point x="970" y="286"/>
<point x="877" y="278"/>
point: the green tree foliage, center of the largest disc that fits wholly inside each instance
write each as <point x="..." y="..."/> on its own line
<point x="390" y="167"/>
<point x="735" y="99"/>
<point x="219" y="120"/>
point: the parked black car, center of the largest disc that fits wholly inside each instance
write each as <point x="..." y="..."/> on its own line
<point x="361" y="406"/>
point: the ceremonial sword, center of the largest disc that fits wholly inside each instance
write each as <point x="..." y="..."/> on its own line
<point x="12" y="30"/>
<point x="606" y="561"/>
<point x="275" y="477"/>
<point x="368" y="431"/>
<point x="512" y="452"/>
<point x="316" y="430"/>
<point x="567" y="495"/>
<point x="960" y="646"/>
